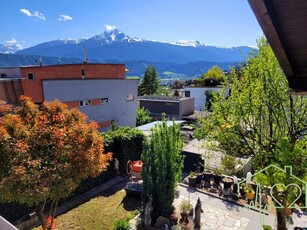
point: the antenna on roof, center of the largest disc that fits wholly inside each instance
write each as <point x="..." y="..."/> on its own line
<point x="84" y="53"/>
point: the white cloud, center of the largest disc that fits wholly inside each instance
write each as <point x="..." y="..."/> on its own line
<point x="109" y="27"/>
<point x="35" y="14"/>
<point x="26" y="12"/>
<point x="14" y="43"/>
<point x="64" y="17"/>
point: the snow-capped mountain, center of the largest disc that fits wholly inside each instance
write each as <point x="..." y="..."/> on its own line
<point x="9" y="48"/>
<point x="113" y="44"/>
<point x="186" y="43"/>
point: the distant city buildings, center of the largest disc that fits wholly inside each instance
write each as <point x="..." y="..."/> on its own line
<point x="101" y="91"/>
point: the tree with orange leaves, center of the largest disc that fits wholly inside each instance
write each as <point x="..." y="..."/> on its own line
<point x="45" y="152"/>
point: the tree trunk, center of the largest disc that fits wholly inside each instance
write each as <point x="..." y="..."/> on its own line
<point x="281" y="220"/>
<point x="41" y="215"/>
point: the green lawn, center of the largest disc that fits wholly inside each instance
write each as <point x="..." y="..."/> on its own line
<point x="100" y="213"/>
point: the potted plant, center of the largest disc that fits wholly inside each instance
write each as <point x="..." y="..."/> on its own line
<point x="199" y="176"/>
<point x="185" y="208"/>
<point x="249" y="193"/>
<point x="217" y="176"/>
<point x="207" y="176"/>
<point x="227" y="182"/>
<point x="242" y="189"/>
<point x="266" y="227"/>
<point x="192" y="179"/>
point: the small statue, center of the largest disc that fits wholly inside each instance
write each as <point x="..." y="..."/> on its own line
<point x="198" y="211"/>
<point x="147" y="217"/>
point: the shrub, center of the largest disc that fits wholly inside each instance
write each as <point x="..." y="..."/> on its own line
<point x="125" y="144"/>
<point x="121" y="225"/>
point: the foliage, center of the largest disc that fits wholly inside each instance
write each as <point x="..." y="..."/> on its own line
<point x="162" y="91"/>
<point x="150" y="82"/>
<point x="214" y="73"/>
<point x="121" y="225"/>
<point x="210" y="95"/>
<point x="143" y="116"/>
<point x="162" y="165"/>
<point x="185" y="206"/>
<point x="177" y="84"/>
<point x="228" y="164"/>
<point x="125" y="143"/>
<point x="260" y="119"/>
<point x="42" y="147"/>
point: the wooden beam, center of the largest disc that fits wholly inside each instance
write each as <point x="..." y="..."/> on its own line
<point x="264" y="17"/>
<point x="298" y="83"/>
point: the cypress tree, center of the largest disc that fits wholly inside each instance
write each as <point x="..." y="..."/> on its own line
<point x="150" y="82"/>
<point x="162" y="166"/>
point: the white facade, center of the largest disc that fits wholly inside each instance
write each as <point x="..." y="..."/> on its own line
<point x="200" y="97"/>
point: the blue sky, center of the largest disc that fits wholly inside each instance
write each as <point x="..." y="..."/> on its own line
<point x="214" y="22"/>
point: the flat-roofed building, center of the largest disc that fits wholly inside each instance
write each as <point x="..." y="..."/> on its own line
<point x="101" y="91"/>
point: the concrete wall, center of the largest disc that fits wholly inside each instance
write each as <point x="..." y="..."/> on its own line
<point x="199" y="94"/>
<point x="159" y="106"/>
<point x="33" y="88"/>
<point x="186" y="106"/>
<point x="118" y="108"/>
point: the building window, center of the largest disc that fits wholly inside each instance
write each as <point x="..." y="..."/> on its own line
<point x="85" y="103"/>
<point x="104" y="100"/>
<point x="130" y="97"/>
<point x="31" y="76"/>
<point x="187" y="93"/>
<point x="3" y="75"/>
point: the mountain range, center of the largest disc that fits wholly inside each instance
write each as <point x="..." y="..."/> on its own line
<point x="181" y="57"/>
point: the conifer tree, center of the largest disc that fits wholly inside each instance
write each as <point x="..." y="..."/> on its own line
<point x="150" y="82"/>
<point x="162" y="166"/>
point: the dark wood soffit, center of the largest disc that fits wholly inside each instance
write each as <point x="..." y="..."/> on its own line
<point x="264" y="17"/>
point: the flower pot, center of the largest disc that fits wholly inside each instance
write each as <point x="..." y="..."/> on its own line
<point x="207" y="176"/>
<point x="173" y="219"/>
<point x="217" y="179"/>
<point x="192" y="181"/>
<point x="184" y="217"/>
<point x="199" y="177"/>
<point x="227" y="183"/>
<point x="250" y="195"/>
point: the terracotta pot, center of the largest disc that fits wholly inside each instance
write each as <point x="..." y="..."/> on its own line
<point x="227" y="183"/>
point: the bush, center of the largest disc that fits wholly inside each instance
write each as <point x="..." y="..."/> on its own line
<point x="121" y="225"/>
<point x="125" y="144"/>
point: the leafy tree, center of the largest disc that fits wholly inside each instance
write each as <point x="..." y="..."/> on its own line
<point x="45" y="151"/>
<point x="142" y="116"/>
<point x="162" y="165"/>
<point x="177" y="84"/>
<point x="260" y="119"/>
<point x="214" y="73"/>
<point x="209" y="99"/>
<point x="150" y="82"/>
<point x="162" y="91"/>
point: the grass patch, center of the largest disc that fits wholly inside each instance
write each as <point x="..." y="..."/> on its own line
<point x="100" y="212"/>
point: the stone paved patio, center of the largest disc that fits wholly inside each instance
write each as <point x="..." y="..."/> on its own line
<point x="223" y="215"/>
<point x="215" y="218"/>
